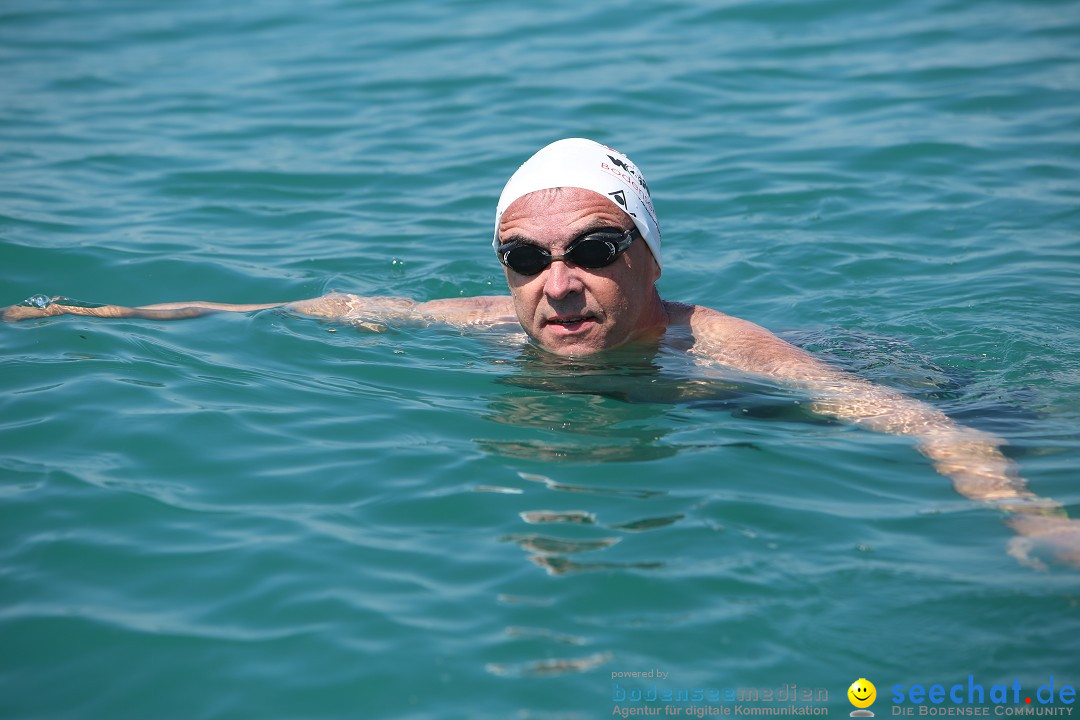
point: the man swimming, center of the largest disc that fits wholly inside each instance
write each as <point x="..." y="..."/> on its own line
<point x="579" y="240"/>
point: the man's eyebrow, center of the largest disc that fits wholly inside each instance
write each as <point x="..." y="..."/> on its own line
<point x="517" y="239"/>
<point x="592" y="227"/>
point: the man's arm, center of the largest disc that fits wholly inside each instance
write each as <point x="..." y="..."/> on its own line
<point x="970" y="458"/>
<point x="366" y="311"/>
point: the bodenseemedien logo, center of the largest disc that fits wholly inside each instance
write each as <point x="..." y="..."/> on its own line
<point x="862" y="694"/>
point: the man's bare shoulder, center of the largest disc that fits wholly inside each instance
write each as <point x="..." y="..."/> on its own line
<point x="739" y="343"/>
<point x="712" y="324"/>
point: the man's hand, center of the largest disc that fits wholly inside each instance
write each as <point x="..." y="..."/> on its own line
<point x="15" y="313"/>
<point x="1053" y="535"/>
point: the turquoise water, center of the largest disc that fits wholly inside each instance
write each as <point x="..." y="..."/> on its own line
<point x="244" y="516"/>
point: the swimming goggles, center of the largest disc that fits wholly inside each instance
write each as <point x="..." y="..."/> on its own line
<point x="592" y="249"/>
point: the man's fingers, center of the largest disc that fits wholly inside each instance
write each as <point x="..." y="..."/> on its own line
<point x="1020" y="550"/>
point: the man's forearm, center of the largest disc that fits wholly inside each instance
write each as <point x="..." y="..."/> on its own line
<point x="334" y="305"/>
<point x="39" y="307"/>
<point x="973" y="461"/>
<point x="970" y="458"/>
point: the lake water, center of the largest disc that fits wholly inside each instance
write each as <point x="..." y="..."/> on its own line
<point x="265" y="516"/>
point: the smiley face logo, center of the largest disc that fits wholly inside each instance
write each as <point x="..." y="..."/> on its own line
<point x="862" y="693"/>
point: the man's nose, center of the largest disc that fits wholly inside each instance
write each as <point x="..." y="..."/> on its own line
<point x="562" y="279"/>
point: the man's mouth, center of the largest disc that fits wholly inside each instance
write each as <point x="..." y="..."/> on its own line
<point x="569" y="323"/>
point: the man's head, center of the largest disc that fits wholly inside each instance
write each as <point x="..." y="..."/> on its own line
<point x="578" y="197"/>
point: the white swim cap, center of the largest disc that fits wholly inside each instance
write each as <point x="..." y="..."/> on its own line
<point x="585" y="164"/>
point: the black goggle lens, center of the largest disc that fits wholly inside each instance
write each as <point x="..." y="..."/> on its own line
<point x="526" y="259"/>
<point x="595" y="250"/>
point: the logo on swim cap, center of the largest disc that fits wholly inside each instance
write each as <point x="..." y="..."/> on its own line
<point x="620" y="197"/>
<point x="629" y="167"/>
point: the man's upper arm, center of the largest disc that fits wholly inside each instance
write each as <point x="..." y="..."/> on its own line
<point x="747" y="346"/>
<point x="841" y="394"/>
<point x="334" y="306"/>
<point x="454" y="311"/>
<point x="483" y="310"/>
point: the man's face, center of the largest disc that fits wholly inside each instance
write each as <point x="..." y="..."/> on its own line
<point x="570" y="310"/>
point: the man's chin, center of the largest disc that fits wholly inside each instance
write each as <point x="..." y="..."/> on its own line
<point x="559" y="343"/>
<point x="591" y="343"/>
<point x="571" y="350"/>
<point x="578" y="344"/>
